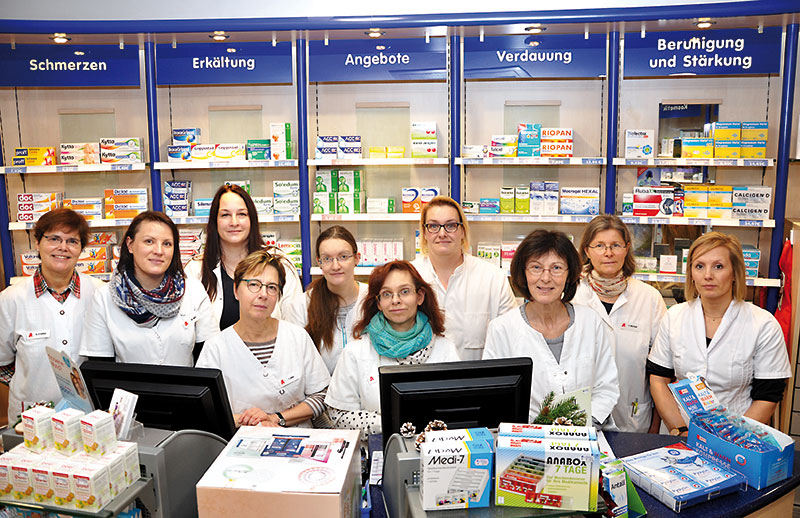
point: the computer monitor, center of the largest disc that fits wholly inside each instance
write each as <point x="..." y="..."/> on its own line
<point x="170" y="398"/>
<point x="462" y="394"/>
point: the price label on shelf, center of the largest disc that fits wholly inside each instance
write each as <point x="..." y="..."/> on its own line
<point x="751" y="223"/>
<point x="665" y="161"/>
<point x="217" y="164"/>
<point x="630" y="220"/>
<point x="283" y="163"/>
<point x="580" y="219"/>
<point x="16" y="170"/>
<point x="260" y="163"/>
<point x="284" y="218"/>
<point x="658" y="221"/>
<point x="423" y="161"/>
<point x="755" y="163"/>
<point x="636" y="161"/>
<point x="331" y="217"/>
<point x="472" y="161"/>
<point x="121" y="167"/>
<point x="66" y="168"/>
<point x="504" y="160"/>
<point x="697" y="161"/>
<point x="725" y="162"/>
<point x="592" y="161"/>
<point x="559" y="161"/>
<point x="699" y="221"/>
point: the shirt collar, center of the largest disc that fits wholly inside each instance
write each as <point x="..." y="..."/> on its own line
<point x="40" y="286"/>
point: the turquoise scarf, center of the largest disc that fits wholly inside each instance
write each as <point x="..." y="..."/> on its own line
<point x="394" y="344"/>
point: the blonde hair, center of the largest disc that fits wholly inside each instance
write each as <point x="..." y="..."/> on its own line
<point x="599" y="224"/>
<point x="708" y="242"/>
<point x="442" y="201"/>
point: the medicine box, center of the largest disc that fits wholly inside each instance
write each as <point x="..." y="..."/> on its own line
<point x="580" y="200"/>
<point x="695" y="196"/>
<point x="348" y="152"/>
<point x="72" y="159"/>
<point x="668" y="264"/>
<point x="489" y="252"/>
<point x="522" y="200"/>
<point x="751" y="253"/>
<point x="461" y="434"/>
<point x="720" y="196"/>
<point x="505" y="140"/>
<point x="91" y="483"/>
<point x="37" y="428"/>
<point x="411" y="200"/>
<point x="377" y="152"/>
<point x="98" y="433"/>
<point x="750" y="211"/>
<point x="326" y="153"/>
<point x="130" y="452"/>
<point x="33" y="161"/>
<point x="395" y="151"/>
<point x="286" y="205"/>
<point x="349" y="181"/>
<point x="349" y="141"/>
<point x="752" y="195"/>
<point x="22" y="477"/>
<point x="120" y="157"/>
<point x="556" y="149"/>
<point x="474" y="151"/>
<point x="189" y="136"/>
<point x="526" y="150"/>
<point x="351" y="202"/>
<point x="228" y="152"/>
<point x="327" y="141"/>
<point x="264" y="204"/>
<point x="550" y="198"/>
<point x="424" y="149"/>
<point x="35" y="152"/>
<point x="727" y="148"/>
<point x="202" y="206"/>
<point x="544" y="431"/>
<point x="507" y="251"/>
<point x="653" y="201"/>
<point x="203" y="152"/>
<point x="43" y="491"/>
<point x="639" y="143"/>
<point x="503" y="151"/>
<point x="63" y="486"/>
<point x="529" y="134"/>
<point x="754" y="149"/>
<point x="697" y="148"/>
<point x="490" y="206"/>
<point x="423" y="130"/>
<point x="286" y="188"/>
<point x="507" y="198"/>
<point x="67" y="431"/>
<point x="380" y="205"/>
<point x="556" y="134"/>
<point x="324" y="203"/>
<point x="426" y="194"/>
<point x="280" y="132"/>
<point x="726" y="130"/>
<point x="115" y="463"/>
<point x="755" y="130"/>
<point x="6" y="487"/>
<point x="179" y="153"/>
<point x="455" y="475"/>
<point x="547" y="473"/>
<point x="120" y="144"/>
<point x="94" y="253"/>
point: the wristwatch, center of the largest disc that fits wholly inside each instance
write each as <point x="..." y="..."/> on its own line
<point x="674" y="431"/>
<point x="282" y="421"/>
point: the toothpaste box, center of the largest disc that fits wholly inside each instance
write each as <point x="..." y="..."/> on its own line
<point x="327" y="181"/>
<point x="38" y="430"/>
<point x="424" y="149"/>
<point x="80" y="148"/>
<point x="754" y="149"/>
<point x="380" y="205"/>
<point x="286" y="188"/>
<point x="455" y="474"/>
<point x="697" y="148"/>
<point x="755" y="130"/>
<point x="639" y="143"/>
<point x="280" y="132"/>
<point x="490" y="206"/>
<point x="544" y="431"/>
<point x="92" y="486"/>
<point x="727" y="148"/>
<point x="351" y="202"/>
<point x="550" y="198"/>
<point x="33" y="161"/>
<point x="264" y="204"/>
<point x="324" y="203"/>
<point x="186" y="136"/>
<point x="179" y="153"/>
<point x="120" y="157"/>
<point x="349" y="181"/>
<point x="580" y="200"/>
<point x="726" y="130"/>
<point x="203" y="152"/>
<point x="286" y="206"/>
<point x="503" y="151"/>
<point x="130" y="452"/>
<point x="522" y="200"/>
<point x="556" y="149"/>
<point x="507" y="200"/>
<point x="98" y="433"/>
<point x="326" y="153"/>
<point x="653" y="201"/>
<point x="120" y="144"/>
<point x="556" y="134"/>
<point x="412" y="202"/>
<point x="547" y="473"/>
<point x="423" y="130"/>
<point x="35" y="152"/>
<point x="74" y="159"/>
<point x="230" y="151"/>
<point x="474" y="151"/>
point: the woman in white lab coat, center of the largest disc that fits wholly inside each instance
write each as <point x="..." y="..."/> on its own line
<point x="470" y="291"/>
<point x="46" y="309"/>
<point x="273" y="373"/>
<point x="149" y="312"/>
<point x="334" y="298"/>
<point x="231" y="234"/>
<point x="569" y="344"/>
<point x="631" y="310"/>
<point x="737" y="347"/>
<point x="401" y="324"/>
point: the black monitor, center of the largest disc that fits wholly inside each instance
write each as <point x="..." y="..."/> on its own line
<point x="170" y="398"/>
<point x="462" y="394"/>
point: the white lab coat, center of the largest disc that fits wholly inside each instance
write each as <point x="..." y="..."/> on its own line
<point x="476" y="293"/>
<point x="341" y="337"/>
<point x="747" y="344"/>
<point x="291" y="306"/>
<point x="110" y="332"/>
<point x="294" y="372"/>
<point x="354" y="385"/>
<point x="632" y="325"/>
<point x="586" y="358"/>
<point x="28" y="325"/>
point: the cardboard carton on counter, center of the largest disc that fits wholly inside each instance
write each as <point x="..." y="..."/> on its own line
<point x="290" y="471"/>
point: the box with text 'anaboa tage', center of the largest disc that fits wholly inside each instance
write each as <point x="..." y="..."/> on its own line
<point x="455" y="474"/>
<point x="547" y="473"/>
<point x="547" y="431"/>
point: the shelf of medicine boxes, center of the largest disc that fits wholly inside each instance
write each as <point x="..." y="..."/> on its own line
<point x="185" y="220"/>
<point x="229" y="164"/>
<point x="397" y="216"/>
<point x="706" y="162"/>
<point x="528" y="161"/>
<point x="71" y="168"/>
<point x="702" y="222"/>
<point x="377" y="161"/>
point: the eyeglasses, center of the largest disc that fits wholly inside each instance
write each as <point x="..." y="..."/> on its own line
<point x="614" y="247"/>
<point x="342" y="258"/>
<point x="254" y="285"/>
<point x="58" y="241"/>
<point x="450" y="227"/>
<point x="386" y="296"/>
<point x="537" y="270"/>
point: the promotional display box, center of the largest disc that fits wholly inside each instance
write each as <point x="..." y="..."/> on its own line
<point x="455" y="474"/>
<point x="284" y="472"/>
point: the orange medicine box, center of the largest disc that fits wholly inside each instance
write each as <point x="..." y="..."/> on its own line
<point x="412" y="200"/>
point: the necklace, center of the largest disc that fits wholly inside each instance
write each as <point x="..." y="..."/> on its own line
<point x="713" y="318"/>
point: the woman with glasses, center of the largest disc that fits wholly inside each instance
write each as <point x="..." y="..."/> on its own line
<point x="470" y="291"/>
<point x="149" y="312"/>
<point x="273" y="373"/>
<point x="334" y="298"/>
<point x="232" y="233"/>
<point x="45" y="309"/>
<point x="569" y="344"/>
<point x="736" y="346"/>
<point x="631" y="311"/>
<point x="400" y="324"/>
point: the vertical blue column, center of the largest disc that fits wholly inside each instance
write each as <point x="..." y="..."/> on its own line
<point x="782" y="167"/>
<point x="5" y="234"/>
<point x="455" y="117"/>
<point x="152" y="122"/>
<point x="611" y="124"/>
<point x="302" y="158"/>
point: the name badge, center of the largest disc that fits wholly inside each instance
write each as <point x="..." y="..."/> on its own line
<point x="189" y="321"/>
<point x="37" y="335"/>
<point x="285" y="382"/>
<point x="627" y="326"/>
<point x="372" y="379"/>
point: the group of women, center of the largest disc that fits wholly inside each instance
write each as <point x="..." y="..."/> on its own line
<point x="292" y="359"/>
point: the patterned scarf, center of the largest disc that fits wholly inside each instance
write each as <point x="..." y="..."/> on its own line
<point x="394" y="344"/>
<point x="143" y="306"/>
<point x="606" y="287"/>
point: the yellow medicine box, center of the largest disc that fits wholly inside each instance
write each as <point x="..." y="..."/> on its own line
<point x="720" y="196"/>
<point x="754" y="130"/>
<point x="697" y="148"/>
<point x="726" y="130"/>
<point x="727" y="148"/>
<point x="754" y="149"/>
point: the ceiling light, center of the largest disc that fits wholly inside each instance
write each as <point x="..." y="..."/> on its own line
<point x="536" y="28"/>
<point x="231" y="50"/>
<point x="533" y="43"/>
<point x="380" y="47"/>
<point x="375" y="33"/>
<point x="704" y="23"/>
<point x="219" y="36"/>
<point x="60" y="37"/>
<point x="79" y="53"/>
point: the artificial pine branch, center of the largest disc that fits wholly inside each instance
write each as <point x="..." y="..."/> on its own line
<point x="566" y="409"/>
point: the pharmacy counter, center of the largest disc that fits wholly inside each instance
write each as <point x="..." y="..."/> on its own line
<point x="773" y="501"/>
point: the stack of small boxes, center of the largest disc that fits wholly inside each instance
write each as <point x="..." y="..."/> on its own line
<point x="504" y="146"/>
<point x="334" y="147"/>
<point x="293" y="251"/>
<point x="500" y="254"/>
<point x="259" y="149"/>
<point x="68" y="460"/>
<point x="341" y="192"/>
<point x="280" y="135"/>
<point x="286" y="197"/>
<point x="752" y="256"/>
<point x="387" y="151"/>
<point x="375" y="252"/>
<point x="183" y="142"/>
<point x="515" y="200"/>
<point x="424" y="141"/>
<point x="191" y="243"/>
<point x="124" y="203"/>
<point x="738" y="139"/>
<point x="177" y="197"/>
<point x="415" y="197"/>
<point x="751" y="202"/>
<point x="121" y="150"/>
<point x="556" y="142"/>
<point x="80" y="153"/>
<point x="33" y="205"/>
<point x="31" y="156"/>
<point x="529" y="139"/>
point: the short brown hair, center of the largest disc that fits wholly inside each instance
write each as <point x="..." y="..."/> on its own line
<point x="62" y="218"/>
<point x="256" y="263"/>
<point x="708" y="242"/>
<point x="599" y="224"/>
<point x="126" y="258"/>
<point x="442" y="201"/>
<point x="537" y="244"/>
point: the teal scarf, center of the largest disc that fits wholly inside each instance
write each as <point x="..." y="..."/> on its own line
<point x="394" y="344"/>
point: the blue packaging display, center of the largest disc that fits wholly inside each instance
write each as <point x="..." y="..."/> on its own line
<point x="463" y="434"/>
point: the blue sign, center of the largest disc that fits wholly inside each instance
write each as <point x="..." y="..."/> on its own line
<point x="69" y="65"/>
<point x="223" y="63"/>
<point x="703" y="53"/>
<point x="378" y="60"/>
<point x="529" y="56"/>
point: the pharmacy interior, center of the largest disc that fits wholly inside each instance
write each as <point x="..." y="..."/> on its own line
<point x="680" y="119"/>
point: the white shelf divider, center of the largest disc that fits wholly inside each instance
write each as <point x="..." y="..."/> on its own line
<point x="714" y="222"/>
<point x="708" y="162"/>
<point x="377" y="161"/>
<point x="72" y="168"/>
<point x="531" y="161"/>
<point x="230" y="164"/>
